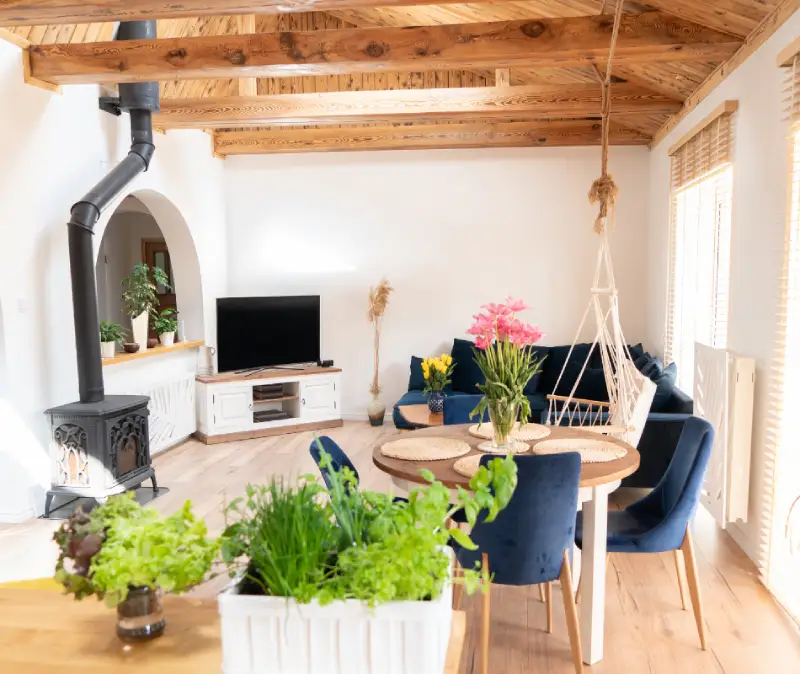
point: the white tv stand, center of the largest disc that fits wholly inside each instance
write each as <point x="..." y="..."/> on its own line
<point x="234" y="406"/>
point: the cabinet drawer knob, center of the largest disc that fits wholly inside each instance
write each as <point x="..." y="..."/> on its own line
<point x="304" y="401"/>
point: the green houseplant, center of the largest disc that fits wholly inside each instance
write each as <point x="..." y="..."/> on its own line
<point x="306" y="556"/>
<point x="140" y="298"/>
<point x="128" y="556"/>
<point x="111" y="334"/>
<point x="165" y="324"/>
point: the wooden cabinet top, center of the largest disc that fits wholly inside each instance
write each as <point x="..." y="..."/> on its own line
<point x="225" y="377"/>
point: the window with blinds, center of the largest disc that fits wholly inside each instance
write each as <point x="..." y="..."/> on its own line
<point x="699" y="242"/>
<point x="783" y="566"/>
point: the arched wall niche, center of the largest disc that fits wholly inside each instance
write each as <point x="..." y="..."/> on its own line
<point x="183" y="253"/>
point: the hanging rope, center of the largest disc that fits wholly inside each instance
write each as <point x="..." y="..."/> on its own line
<point x="604" y="190"/>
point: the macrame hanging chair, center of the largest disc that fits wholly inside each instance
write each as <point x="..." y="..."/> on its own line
<point x="630" y="394"/>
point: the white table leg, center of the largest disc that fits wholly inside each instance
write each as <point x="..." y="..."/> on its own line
<point x="593" y="591"/>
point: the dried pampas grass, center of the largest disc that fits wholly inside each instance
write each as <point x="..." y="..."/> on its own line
<point x="378" y="301"/>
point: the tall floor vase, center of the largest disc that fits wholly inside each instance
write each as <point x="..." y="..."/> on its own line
<point x="139" y="326"/>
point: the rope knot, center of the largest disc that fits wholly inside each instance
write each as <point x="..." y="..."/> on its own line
<point x="604" y="191"/>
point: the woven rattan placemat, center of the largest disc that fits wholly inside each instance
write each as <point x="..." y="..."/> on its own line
<point x="517" y="447"/>
<point x="591" y="450"/>
<point x="526" y="432"/>
<point x="467" y="465"/>
<point x="425" y="449"/>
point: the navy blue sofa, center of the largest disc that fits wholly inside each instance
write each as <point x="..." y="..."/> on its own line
<point x="671" y="406"/>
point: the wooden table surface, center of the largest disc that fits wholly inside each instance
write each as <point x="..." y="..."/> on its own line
<point x="592" y="474"/>
<point x="420" y="416"/>
<point x="45" y="632"/>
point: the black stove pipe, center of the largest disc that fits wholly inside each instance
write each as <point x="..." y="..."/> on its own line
<point x="141" y="100"/>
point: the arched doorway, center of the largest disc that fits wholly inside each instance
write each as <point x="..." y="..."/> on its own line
<point x="147" y="227"/>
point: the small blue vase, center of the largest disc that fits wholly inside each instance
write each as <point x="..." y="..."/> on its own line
<point x="436" y="402"/>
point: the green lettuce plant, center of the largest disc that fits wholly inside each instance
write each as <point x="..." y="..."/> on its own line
<point x="111" y="332"/>
<point x="121" y="545"/>
<point x="308" y="542"/>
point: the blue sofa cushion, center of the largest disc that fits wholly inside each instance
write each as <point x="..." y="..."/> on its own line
<point x="636" y="351"/>
<point x="642" y="361"/>
<point x="466" y="374"/>
<point x="653" y="369"/>
<point x="592" y="385"/>
<point x="416" y="380"/>
<point x="665" y="383"/>
<point x="532" y="387"/>
<point x="556" y="358"/>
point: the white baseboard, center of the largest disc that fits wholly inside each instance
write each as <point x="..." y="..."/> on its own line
<point x="362" y="416"/>
<point x="17" y="517"/>
<point x="743" y="541"/>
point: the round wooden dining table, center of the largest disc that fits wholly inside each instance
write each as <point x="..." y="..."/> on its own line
<point x="598" y="480"/>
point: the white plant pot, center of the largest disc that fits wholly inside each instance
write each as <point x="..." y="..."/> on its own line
<point x="280" y="636"/>
<point x="167" y="338"/>
<point x="108" y="349"/>
<point x="139" y="330"/>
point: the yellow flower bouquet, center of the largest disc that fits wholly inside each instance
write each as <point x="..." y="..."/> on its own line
<point x="436" y="372"/>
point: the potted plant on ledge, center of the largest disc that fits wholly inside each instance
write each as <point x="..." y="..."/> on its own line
<point x="327" y="576"/>
<point x="140" y="298"/>
<point x="436" y="372"/>
<point x="129" y="556"/>
<point x="165" y="325"/>
<point x="111" y="334"/>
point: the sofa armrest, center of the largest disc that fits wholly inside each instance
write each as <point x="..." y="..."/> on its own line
<point x="679" y="403"/>
<point x="656" y="448"/>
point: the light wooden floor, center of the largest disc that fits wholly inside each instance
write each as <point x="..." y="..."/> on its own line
<point x="646" y="630"/>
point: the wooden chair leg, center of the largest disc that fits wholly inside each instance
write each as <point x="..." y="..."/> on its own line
<point x="485" y="620"/>
<point x="694" y="586"/>
<point x="572" y="615"/>
<point x="542" y="597"/>
<point x="548" y="595"/>
<point x="680" y="570"/>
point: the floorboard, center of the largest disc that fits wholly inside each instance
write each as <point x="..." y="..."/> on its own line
<point x="646" y="630"/>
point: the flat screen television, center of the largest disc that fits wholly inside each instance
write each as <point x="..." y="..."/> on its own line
<point x="255" y="332"/>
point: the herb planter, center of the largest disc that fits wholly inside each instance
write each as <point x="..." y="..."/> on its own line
<point x="139" y="329"/>
<point x="108" y="349"/>
<point x="278" y="635"/>
<point x="167" y="338"/>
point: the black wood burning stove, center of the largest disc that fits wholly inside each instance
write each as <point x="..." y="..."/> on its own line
<point x="99" y="449"/>
<point x="100" y="445"/>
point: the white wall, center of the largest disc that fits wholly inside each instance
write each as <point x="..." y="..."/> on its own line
<point x="761" y="170"/>
<point x="451" y="230"/>
<point x="54" y="148"/>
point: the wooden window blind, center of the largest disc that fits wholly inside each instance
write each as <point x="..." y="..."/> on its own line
<point x="699" y="241"/>
<point x="783" y="421"/>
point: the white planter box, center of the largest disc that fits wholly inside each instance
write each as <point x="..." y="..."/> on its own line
<point x="275" y="635"/>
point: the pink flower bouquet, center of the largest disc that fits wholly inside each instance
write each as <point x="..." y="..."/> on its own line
<point x="502" y="352"/>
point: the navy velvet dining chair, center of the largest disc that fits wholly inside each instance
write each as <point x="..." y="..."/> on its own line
<point x="659" y="522"/>
<point x="339" y="459"/>
<point x="530" y="541"/>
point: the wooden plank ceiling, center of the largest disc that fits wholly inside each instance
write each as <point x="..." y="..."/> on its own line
<point x="498" y="74"/>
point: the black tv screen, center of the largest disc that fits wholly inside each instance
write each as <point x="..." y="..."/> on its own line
<point x="264" y="331"/>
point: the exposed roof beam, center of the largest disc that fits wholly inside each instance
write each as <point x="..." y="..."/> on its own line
<point x="419" y="137"/>
<point x="403" y="105"/>
<point x="39" y="12"/>
<point x="652" y="36"/>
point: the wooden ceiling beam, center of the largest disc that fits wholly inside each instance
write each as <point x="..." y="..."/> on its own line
<point x="41" y="12"/>
<point x="420" y="137"/>
<point x="652" y="36"/>
<point x="402" y="105"/>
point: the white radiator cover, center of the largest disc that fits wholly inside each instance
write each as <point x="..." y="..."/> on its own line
<point x="723" y="395"/>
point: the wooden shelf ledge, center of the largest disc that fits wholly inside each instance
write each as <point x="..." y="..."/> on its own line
<point x="151" y="353"/>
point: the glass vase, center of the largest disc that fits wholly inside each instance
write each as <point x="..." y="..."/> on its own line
<point x="141" y="616"/>
<point x="503" y="417"/>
